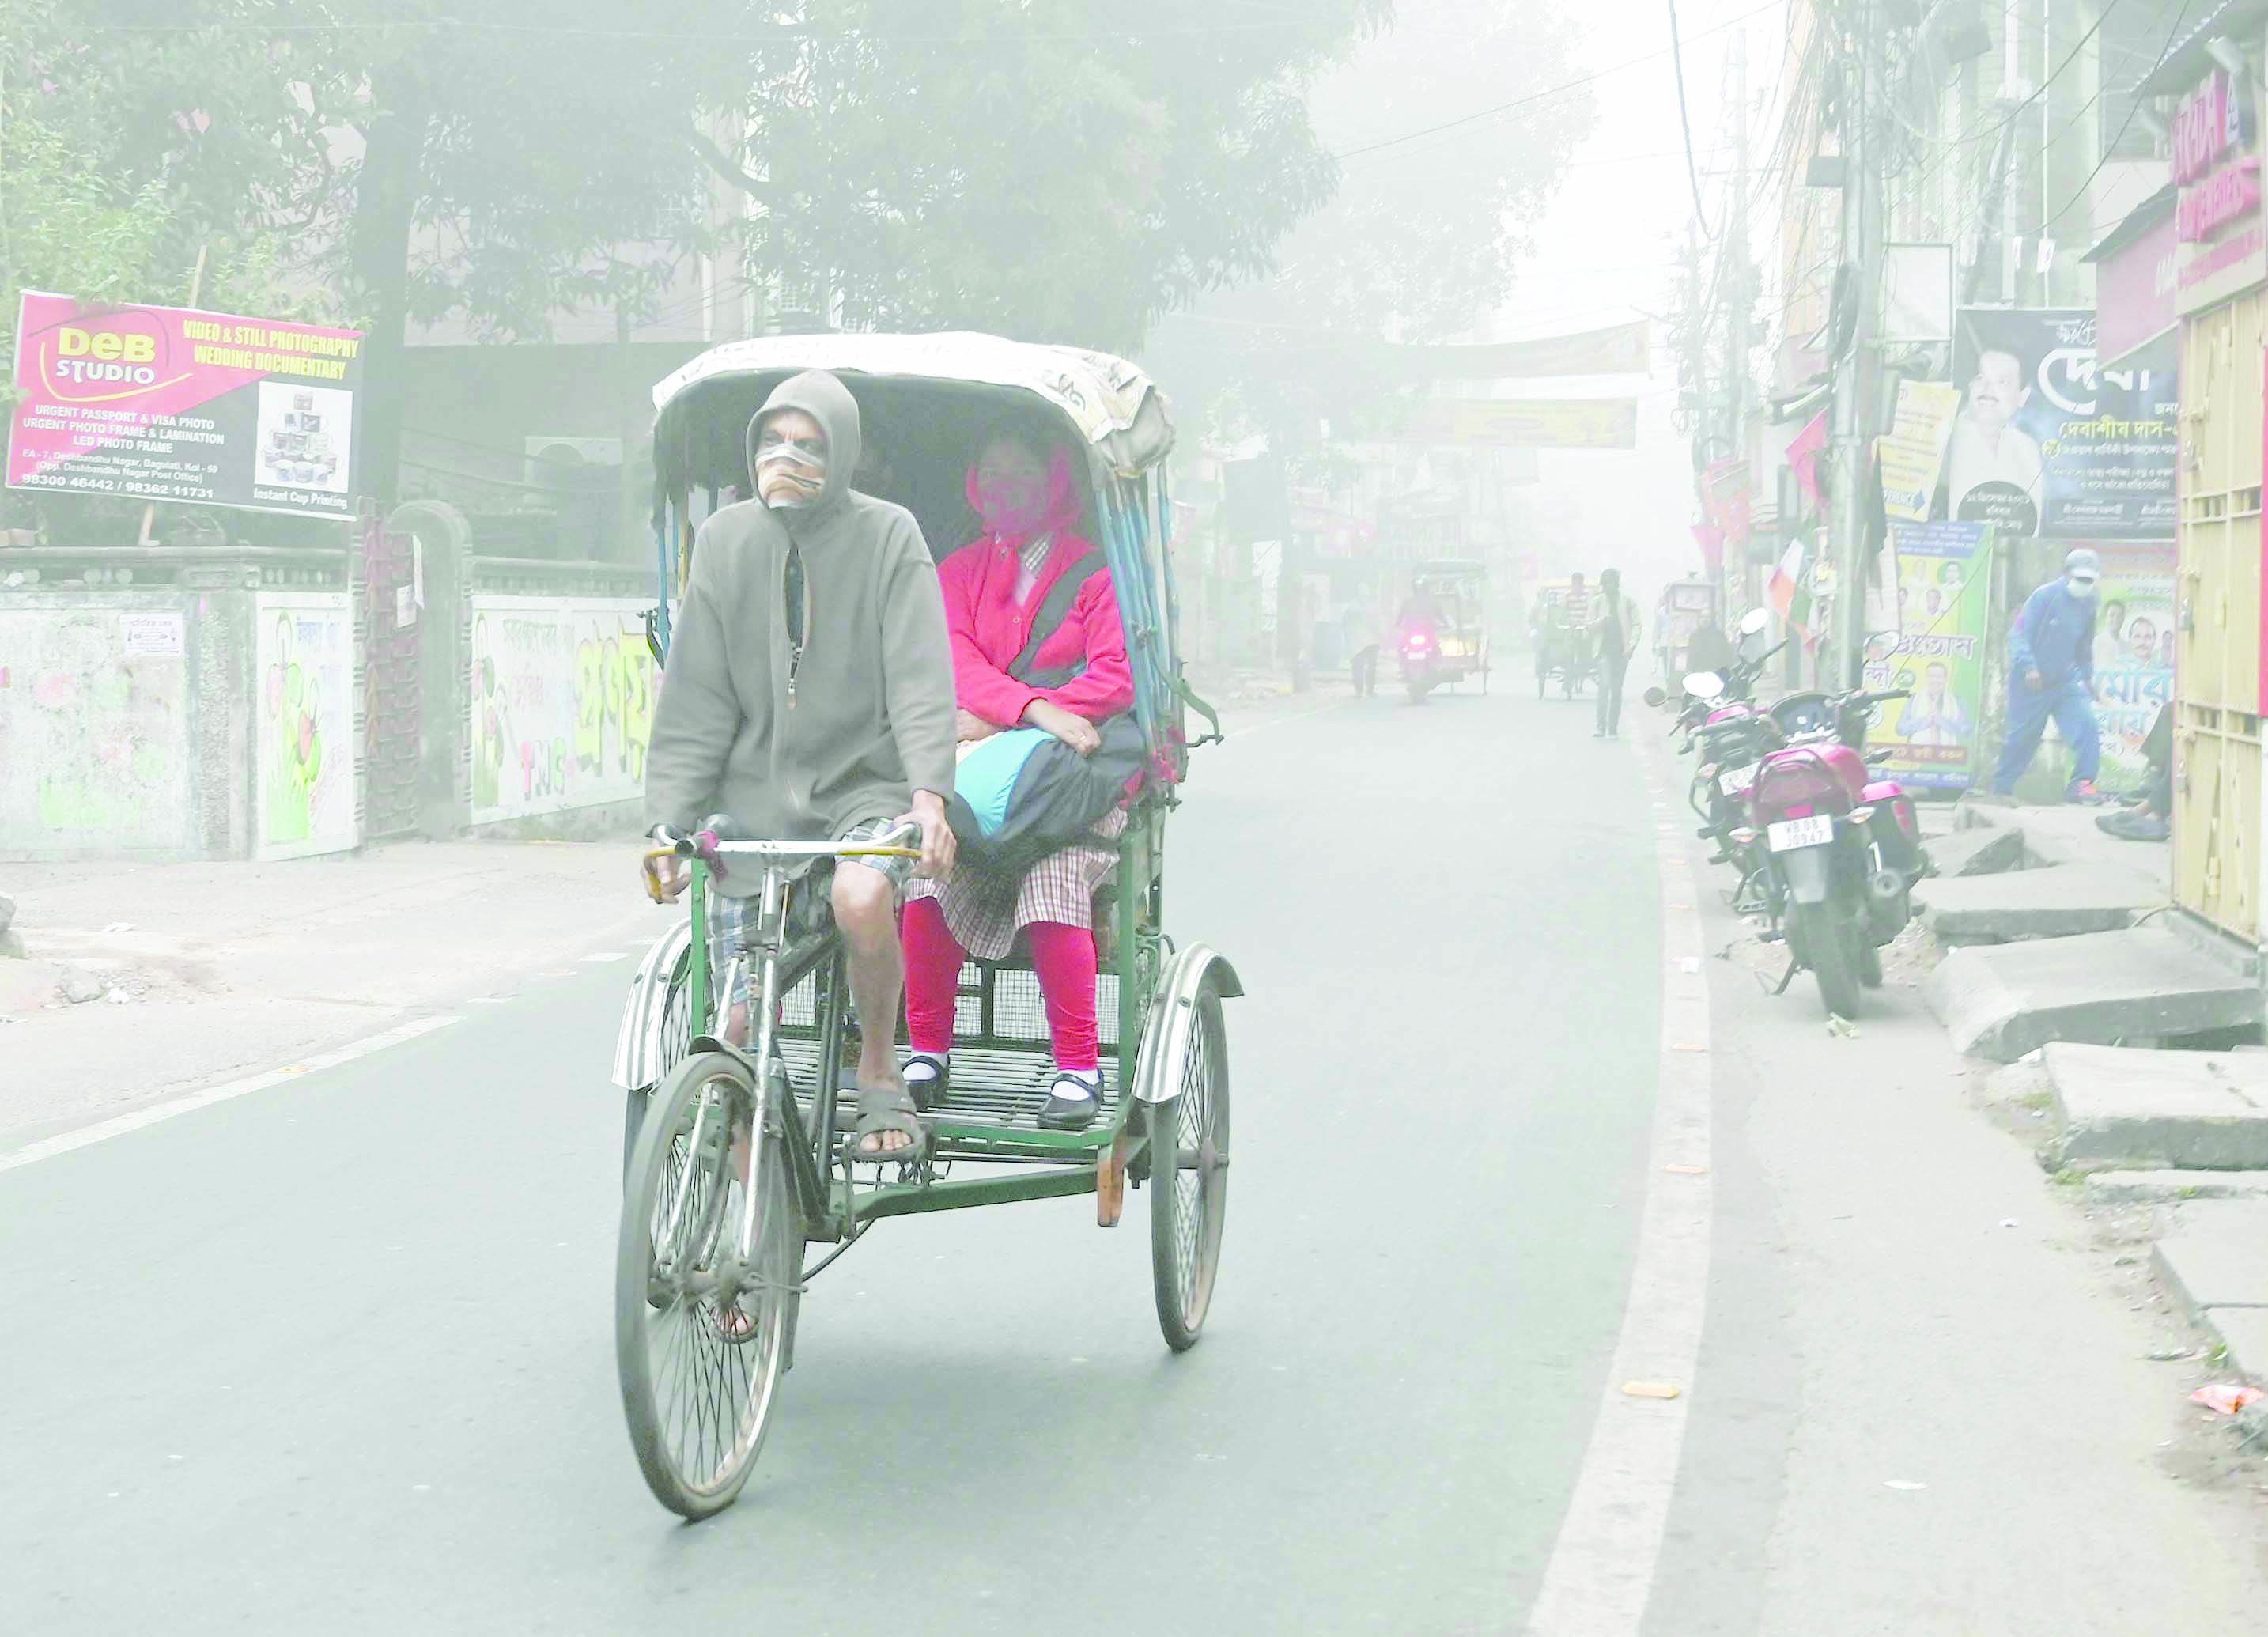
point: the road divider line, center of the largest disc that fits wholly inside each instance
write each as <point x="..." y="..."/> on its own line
<point x="101" y="1131"/>
<point x="1600" y="1573"/>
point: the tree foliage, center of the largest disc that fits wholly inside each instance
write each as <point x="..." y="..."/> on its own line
<point x="1065" y="171"/>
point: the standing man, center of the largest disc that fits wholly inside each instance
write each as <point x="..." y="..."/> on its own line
<point x="809" y="696"/>
<point x="1615" y="626"/>
<point x="2051" y="674"/>
<point x="1360" y="624"/>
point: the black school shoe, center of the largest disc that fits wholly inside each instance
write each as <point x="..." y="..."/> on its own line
<point x="1072" y="1113"/>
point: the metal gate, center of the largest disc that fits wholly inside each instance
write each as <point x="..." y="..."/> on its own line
<point x="2217" y="757"/>
<point x="388" y="656"/>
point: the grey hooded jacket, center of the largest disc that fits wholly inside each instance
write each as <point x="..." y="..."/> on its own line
<point x="872" y="719"/>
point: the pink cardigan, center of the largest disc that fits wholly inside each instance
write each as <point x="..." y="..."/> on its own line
<point x="990" y="629"/>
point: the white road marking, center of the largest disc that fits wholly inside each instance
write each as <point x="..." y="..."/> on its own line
<point x="87" y="1136"/>
<point x="1600" y="1573"/>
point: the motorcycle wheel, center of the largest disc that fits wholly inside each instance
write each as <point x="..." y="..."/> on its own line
<point x="1828" y="943"/>
<point x="1417" y="692"/>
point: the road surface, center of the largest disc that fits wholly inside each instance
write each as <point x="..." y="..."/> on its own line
<point x="336" y="1356"/>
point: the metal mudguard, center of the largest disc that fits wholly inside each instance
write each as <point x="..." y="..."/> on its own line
<point x="1810" y="873"/>
<point x="1157" y="1078"/>
<point x="637" y="1045"/>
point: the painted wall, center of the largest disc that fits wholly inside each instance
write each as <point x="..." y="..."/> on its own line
<point x="563" y="691"/>
<point x="304" y="681"/>
<point x="96" y="727"/>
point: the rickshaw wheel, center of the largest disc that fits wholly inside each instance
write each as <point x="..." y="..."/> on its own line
<point x="699" y="1374"/>
<point x="1190" y="1196"/>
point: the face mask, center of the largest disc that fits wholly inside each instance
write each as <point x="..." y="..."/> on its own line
<point x="2081" y="588"/>
<point x="1010" y="504"/>
<point x="790" y="474"/>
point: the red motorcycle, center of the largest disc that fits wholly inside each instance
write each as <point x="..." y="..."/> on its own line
<point x="1842" y="850"/>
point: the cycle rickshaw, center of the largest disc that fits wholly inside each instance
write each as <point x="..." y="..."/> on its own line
<point x="1563" y="646"/>
<point x="740" y="1186"/>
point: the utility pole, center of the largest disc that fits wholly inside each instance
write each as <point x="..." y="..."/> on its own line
<point x="1696" y="362"/>
<point x="1854" y="373"/>
<point x="1740" y="292"/>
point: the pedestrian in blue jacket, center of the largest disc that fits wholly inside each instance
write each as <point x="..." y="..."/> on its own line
<point x="2051" y="676"/>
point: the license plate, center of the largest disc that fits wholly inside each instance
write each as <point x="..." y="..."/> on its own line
<point x="1739" y="780"/>
<point x="1803" y="832"/>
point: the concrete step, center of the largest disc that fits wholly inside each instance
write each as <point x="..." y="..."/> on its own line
<point x="1980" y="849"/>
<point x="2216" y="1261"/>
<point x="2142" y="985"/>
<point x="2062" y="902"/>
<point x="2174" y="1187"/>
<point x="2133" y="1110"/>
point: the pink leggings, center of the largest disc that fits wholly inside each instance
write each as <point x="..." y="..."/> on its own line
<point x="1063" y="956"/>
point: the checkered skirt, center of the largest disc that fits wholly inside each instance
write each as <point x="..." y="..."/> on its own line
<point x="986" y="907"/>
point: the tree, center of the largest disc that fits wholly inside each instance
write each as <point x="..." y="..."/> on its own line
<point x="1062" y="172"/>
<point x="1455" y="128"/>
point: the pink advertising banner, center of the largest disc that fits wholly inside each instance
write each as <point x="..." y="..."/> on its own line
<point x="167" y="403"/>
<point x="2134" y="290"/>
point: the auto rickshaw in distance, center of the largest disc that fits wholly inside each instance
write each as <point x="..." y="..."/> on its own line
<point x="1443" y="629"/>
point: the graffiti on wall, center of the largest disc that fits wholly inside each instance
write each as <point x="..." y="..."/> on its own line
<point x="94" y="733"/>
<point x="305" y="660"/>
<point x="561" y="704"/>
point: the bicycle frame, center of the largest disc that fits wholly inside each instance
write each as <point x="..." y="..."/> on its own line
<point x="833" y="1205"/>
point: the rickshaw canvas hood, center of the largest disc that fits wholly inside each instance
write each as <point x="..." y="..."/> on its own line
<point x="828" y="402"/>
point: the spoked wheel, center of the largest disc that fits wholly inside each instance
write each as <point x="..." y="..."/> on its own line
<point x="704" y="1285"/>
<point x="676" y="1040"/>
<point x="1189" y="1174"/>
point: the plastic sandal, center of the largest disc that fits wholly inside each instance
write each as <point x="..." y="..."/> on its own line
<point x="890" y="1110"/>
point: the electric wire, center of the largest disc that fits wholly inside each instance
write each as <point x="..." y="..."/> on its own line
<point x="1685" y="122"/>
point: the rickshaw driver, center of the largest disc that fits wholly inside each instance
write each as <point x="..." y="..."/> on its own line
<point x="808" y="694"/>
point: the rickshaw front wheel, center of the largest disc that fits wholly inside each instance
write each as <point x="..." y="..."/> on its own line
<point x="703" y="1330"/>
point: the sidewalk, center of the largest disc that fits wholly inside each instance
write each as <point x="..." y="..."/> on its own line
<point x="141" y="982"/>
<point x="2069" y="964"/>
<point x="145" y="980"/>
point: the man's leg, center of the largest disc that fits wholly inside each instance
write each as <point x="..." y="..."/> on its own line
<point x="866" y="913"/>
<point x="2075" y="719"/>
<point x="2028" y="719"/>
<point x="1619" y="667"/>
<point x="1599" y="718"/>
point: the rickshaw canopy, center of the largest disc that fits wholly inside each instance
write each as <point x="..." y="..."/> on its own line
<point x="1115" y="408"/>
<point x="924" y="401"/>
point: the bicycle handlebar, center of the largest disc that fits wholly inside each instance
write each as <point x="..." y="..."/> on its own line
<point x="709" y="848"/>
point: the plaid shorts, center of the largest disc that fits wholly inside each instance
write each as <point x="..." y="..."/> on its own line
<point x="810" y="910"/>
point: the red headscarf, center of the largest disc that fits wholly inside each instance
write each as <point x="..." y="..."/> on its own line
<point x="1014" y="519"/>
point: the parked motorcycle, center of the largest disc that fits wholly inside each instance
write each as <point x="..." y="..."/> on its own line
<point x="1840" y="851"/>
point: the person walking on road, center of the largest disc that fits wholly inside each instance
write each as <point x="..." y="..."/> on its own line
<point x="1615" y="626"/>
<point x="2051" y="676"/>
